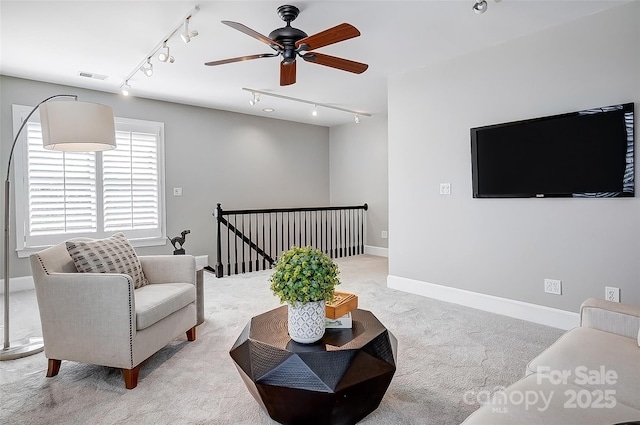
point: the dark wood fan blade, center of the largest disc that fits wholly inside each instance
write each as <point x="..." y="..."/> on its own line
<point x="335" y="62"/>
<point x="332" y="35"/>
<point x="287" y="73"/>
<point x="241" y="58"/>
<point x="245" y="29"/>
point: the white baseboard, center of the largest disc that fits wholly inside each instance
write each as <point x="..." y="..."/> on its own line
<point x="376" y="250"/>
<point x="22" y="283"/>
<point x="548" y="316"/>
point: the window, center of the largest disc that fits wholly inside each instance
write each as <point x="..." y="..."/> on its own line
<point x="60" y="195"/>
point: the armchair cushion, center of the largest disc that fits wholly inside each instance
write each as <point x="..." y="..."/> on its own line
<point x="157" y="301"/>
<point x="110" y="255"/>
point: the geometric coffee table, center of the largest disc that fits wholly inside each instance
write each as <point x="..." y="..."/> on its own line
<point x="337" y="380"/>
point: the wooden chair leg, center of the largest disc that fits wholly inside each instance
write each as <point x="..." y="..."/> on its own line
<point x="131" y="377"/>
<point x="53" y="368"/>
<point x="191" y="334"/>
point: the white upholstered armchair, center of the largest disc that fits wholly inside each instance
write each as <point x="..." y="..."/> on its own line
<point x="100" y="318"/>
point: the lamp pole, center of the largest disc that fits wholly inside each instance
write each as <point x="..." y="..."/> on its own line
<point x="27" y="346"/>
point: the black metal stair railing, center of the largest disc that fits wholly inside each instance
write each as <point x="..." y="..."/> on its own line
<point x="254" y="238"/>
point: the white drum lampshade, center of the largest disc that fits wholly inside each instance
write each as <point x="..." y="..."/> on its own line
<point x="77" y="126"/>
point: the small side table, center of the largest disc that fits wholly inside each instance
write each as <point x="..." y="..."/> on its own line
<point x="337" y="381"/>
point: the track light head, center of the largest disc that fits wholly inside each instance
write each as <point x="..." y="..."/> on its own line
<point x="480" y="6"/>
<point x="164" y="56"/>
<point x="356" y="119"/>
<point x="187" y="35"/>
<point x="256" y="99"/>
<point x="147" y="68"/>
<point x="315" y="111"/>
<point x="125" y="88"/>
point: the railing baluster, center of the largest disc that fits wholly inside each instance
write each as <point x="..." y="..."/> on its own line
<point x="264" y="243"/>
<point x="235" y="224"/>
<point x="339" y="229"/>
<point x="228" y="251"/>
<point x="351" y="247"/>
<point x="250" y="261"/>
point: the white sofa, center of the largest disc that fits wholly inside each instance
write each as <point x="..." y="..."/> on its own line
<point x="99" y="318"/>
<point x="591" y="375"/>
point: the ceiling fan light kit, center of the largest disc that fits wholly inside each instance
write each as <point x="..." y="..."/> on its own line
<point x="290" y="43"/>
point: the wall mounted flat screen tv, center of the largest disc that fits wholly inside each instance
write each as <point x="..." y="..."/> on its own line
<point x="587" y="153"/>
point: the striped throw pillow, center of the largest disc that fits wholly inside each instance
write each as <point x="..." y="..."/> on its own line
<point x="110" y="255"/>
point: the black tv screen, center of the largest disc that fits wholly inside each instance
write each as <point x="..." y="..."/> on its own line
<point x="587" y="153"/>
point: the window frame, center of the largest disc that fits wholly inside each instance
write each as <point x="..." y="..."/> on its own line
<point x="20" y="187"/>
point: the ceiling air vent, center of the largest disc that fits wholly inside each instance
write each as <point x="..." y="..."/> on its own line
<point x="92" y="75"/>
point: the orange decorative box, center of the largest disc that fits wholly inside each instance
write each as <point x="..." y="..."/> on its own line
<point x="343" y="303"/>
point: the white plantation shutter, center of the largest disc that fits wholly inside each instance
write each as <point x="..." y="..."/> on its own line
<point x="61" y="189"/>
<point x="131" y="182"/>
<point x="60" y="195"/>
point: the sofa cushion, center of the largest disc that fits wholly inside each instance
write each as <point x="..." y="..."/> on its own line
<point x="110" y="255"/>
<point x="534" y="401"/>
<point x="154" y="302"/>
<point x="583" y="353"/>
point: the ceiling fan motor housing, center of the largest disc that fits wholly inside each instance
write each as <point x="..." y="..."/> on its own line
<point x="288" y="35"/>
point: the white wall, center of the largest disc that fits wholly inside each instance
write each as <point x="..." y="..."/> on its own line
<point x="241" y="161"/>
<point x="506" y="247"/>
<point x="359" y="164"/>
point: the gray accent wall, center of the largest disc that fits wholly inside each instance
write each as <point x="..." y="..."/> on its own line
<point x="359" y="166"/>
<point x="241" y="161"/>
<point x="506" y="247"/>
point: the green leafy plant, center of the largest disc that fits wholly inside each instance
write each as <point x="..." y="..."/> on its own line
<point x="304" y="274"/>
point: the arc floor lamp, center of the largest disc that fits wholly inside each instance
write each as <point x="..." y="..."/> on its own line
<point x="66" y="126"/>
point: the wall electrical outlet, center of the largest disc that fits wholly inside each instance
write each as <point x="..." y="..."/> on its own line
<point x="612" y="294"/>
<point x="384" y="234"/>
<point x="177" y="191"/>
<point x="553" y="286"/>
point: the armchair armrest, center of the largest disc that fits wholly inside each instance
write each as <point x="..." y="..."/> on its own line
<point x="169" y="268"/>
<point x="620" y="319"/>
<point x="87" y="317"/>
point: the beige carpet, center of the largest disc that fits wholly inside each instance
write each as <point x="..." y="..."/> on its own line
<point x="444" y="351"/>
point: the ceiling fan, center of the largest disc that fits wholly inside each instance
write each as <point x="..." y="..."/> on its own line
<point x="290" y="42"/>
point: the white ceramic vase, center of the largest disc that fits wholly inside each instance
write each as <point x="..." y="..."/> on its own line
<point x="306" y="321"/>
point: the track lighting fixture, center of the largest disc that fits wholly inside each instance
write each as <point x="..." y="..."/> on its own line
<point x="256" y="99"/>
<point x="145" y="65"/>
<point x="256" y="93"/>
<point x="147" y="68"/>
<point x="165" y="56"/>
<point x="187" y="35"/>
<point x="480" y="6"/>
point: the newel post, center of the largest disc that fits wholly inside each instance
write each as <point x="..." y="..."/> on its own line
<point x="218" y="268"/>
